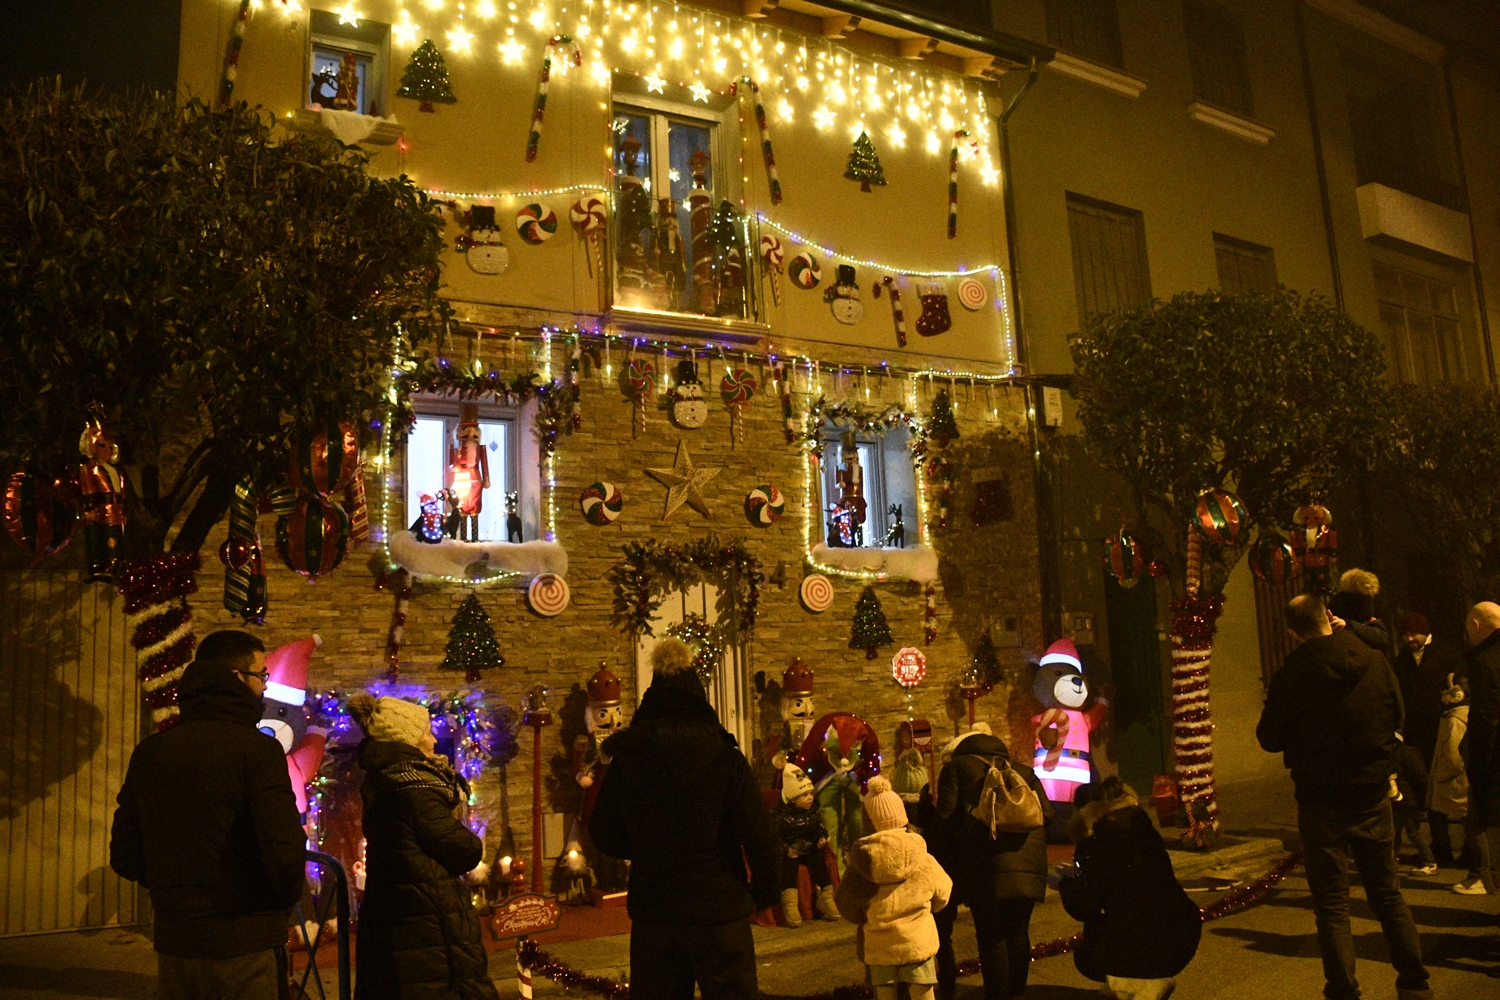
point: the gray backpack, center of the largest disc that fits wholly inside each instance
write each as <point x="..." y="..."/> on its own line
<point x="1006" y="803"/>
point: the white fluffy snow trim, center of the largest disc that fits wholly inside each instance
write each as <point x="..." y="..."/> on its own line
<point x="350" y="127"/>
<point x="160" y="715"/>
<point x="916" y="562"/>
<point x="476" y="560"/>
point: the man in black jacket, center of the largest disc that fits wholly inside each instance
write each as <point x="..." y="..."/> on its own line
<point x="1423" y="667"/>
<point x="207" y="822"/>
<point x="1333" y="711"/>
<point x="1483" y="756"/>
<point x="679" y="803"/>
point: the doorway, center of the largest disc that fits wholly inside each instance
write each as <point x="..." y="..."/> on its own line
<point x="1135" y="662"/>
<point x="728" y="688"/>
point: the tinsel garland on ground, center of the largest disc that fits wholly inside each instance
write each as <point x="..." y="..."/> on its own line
<point x="542" y="964"/>
<point x="1193" y="627"/>
<point x="155" y="592"/>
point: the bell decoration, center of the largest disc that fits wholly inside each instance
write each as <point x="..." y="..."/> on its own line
<point x="1272" y="560"/>
<point x="1125" y="558"/>
<point x="324" y="458"/>
<point x="40" y="512"/>
<point x="1220" y="517"/>
<point x="313" y="538"/>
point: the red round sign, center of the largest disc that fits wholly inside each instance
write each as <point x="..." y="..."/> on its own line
<point x="909" y="666"/>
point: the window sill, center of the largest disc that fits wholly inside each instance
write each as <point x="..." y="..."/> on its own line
<point x="1230" y="122"/>
<point x="476" y="562"/>
<point x="915" y="562"/>
<point x="347" y="127"/>
<point x="1099" y="75"/>
<point x="737" y="331"/>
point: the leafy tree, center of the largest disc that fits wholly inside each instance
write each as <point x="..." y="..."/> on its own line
<point x="210" y="284"/>
<point x="1272" y="397"/>
<point x="1445" y="468"/>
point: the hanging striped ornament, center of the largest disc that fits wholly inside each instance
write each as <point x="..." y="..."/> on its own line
<point x="899" y="315"/>
<point x="1272" y="560"/>
<point x="1220" y="516"/>
<point x="324" y="458"/>
<point x="953" y="183"/>
<point x="1125" y="558"/>
<point x="313" y="538"/>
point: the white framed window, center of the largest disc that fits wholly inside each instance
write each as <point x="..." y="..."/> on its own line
<point x="328" y="43"/>
<point x="886" y="482"/>
<point x="679" y="243"/>
<point x="428" y="451"/>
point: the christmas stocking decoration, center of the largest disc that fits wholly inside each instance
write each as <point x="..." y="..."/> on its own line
<point x="934" y="319"/>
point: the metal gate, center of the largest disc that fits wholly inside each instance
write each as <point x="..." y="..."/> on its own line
<point x="69" y="718"/>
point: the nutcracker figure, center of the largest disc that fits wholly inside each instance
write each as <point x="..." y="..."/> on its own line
<point x="589" y="765"/>
<point x="468" y="472"/>
<point x="797" y="715"/>
<point x="101" y="488"/>
<point x="851" y="483"/>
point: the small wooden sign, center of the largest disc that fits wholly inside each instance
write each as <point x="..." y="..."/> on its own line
<point x="524" y="915"/>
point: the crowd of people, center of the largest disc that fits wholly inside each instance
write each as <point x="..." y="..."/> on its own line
<point x="1376" y="747"/>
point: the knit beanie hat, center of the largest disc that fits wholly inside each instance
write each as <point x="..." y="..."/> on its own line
<point x="883" y="806"/>
<point x="394" y="720"/>
<point x="794" y="783"/>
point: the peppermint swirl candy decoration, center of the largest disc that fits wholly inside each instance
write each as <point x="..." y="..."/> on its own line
<point x="548" y="595"/>
<point x="816" y="593"/>
<point x="804" y="271"/>
<point x="972" y="295"/>
<point x="641" y="377"/>
<point x="737" y="386"/>
<point x="771" y="251"/>
<point x="764" y="506"/>
<point x="587" y="214"/>
<point x="601" y="503"/>
<point x="536" y="223"/>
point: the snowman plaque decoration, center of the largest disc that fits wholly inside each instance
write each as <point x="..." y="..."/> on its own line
<point x="482" y="247"/>
<point x="689" y="408"/>
<point x="843" y="297"/>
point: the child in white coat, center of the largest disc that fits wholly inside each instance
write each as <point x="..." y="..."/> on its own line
<point x="890" y="890"/>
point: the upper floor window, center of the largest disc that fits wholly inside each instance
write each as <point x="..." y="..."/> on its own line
<point x="1216" y="48"/>
<point x="869" y="489"/>
<point x="347" y="64"/>
<point x="1089" y="28"/>
<point x="680" y="243"/>
<point x="1244" y="266"/>
<point x="470" y="485"/>
<point x="1109" y="256"/>
<point x="1398" y="136"/>
<point x="1419" y="317"/>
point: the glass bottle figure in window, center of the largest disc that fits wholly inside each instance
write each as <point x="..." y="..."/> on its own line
<point x="468" y="472"/>
<point x="634" y="216"/>
<point x="669" y="259"/>
<point x="700" y="203"/>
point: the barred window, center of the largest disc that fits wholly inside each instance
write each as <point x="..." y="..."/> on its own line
<point x="1419" y="317"/>
<point x="1109" y="256"/>
<point x="1216" y="49"/>
<point x="1089" y="28"/>
<point x="1244" y="266"/>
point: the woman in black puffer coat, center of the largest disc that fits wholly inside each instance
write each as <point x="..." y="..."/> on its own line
<point x="1139" y="928"/>
<point x="418" y="932"/>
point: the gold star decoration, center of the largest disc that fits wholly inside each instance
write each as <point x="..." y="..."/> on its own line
<point x="684" y="483"/>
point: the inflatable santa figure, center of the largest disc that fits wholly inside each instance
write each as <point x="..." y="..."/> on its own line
<point x="285" y="718"/>
<point x="1062" y="729"/>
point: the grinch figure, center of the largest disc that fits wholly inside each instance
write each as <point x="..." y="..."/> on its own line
<point x="840" y="754"/>
<point x="468" y="472"/>
<point x="589" y="764"/>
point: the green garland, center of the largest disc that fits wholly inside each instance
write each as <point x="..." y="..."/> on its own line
<point x="861" y="418"/>
<point x="651" y="570"/>
<point x="557" y="410"/>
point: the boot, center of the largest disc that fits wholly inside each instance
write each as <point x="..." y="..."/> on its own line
<point x="790" y="908"/>
<point x="826" y="908"/>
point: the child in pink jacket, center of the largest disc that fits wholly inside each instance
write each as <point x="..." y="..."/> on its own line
<point x="890" y="890"/>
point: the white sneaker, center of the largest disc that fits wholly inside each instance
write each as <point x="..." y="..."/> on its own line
<point x="1424" y="870"/>
<point x="1474" y="888"/>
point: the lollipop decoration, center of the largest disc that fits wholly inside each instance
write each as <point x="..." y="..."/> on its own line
<point x="773" y="253"/>
<point x="548" y="595"/>
<point x="972" y="295"/>
<point x="536" y="223"/>
<point x="738" y="388"/>
<point x="587" y="216"/>
<point x="601" y="503"/>
<point x="816" y="593"/>
<point x="889" y="284"/>
<point x="764" y="506"/>
<point x="640" y="380"/>
<point x="804" y="271"/>
<point x="569" y="49"/>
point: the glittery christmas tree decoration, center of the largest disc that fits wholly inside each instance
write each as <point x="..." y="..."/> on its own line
<point x="471" y="642"/>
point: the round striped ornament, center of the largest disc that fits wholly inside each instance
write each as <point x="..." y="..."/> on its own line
<point x="1272" y="560"/>
<point x="737" y="387"/>
<point x="1125" y="558"/>
<point x="324" y="457"/>
<point x="601" y="503"/>
<point x="816" y="593"/>
<point x="548" y="595"/>
<point x="587" y="214"/>
<point x="314" y="537"/>
<point x="1220" y="517"/>
<point x="536" y="223"/>
<point x="39" y="514"/>
<point x="804" y="271"/>
<point x="764" y="506"/>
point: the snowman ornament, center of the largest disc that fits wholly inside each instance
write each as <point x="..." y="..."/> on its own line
<point x="843" y="297"/>
<point x="482" y="247"/>
<point x="689" y="408"/>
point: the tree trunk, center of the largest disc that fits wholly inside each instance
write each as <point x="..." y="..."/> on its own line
<point x="1193" y="626"/>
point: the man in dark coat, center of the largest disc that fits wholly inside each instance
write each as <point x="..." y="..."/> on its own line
<point x="208" y="824"/>
<point x="1483" y="759"/>
<point x="1423" y="667"/>
<point x="1333" y="711"/>
<point x="998" y="878"/>
<point x="680" y="803"/>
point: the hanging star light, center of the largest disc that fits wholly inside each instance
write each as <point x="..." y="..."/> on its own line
<point x="700" y="92"/>
<point x="684" y="483"/>
<point x="348" y="15"/>
<point x="655" y="84"/>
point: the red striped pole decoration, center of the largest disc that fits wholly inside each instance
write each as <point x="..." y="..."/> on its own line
<point x="1193" y="625"/>
<point x="897" y="313"/>
<point x="232" y="60"/>
<point x="539" y="109"/>
<point x="953" y="183"/>
<point x="523" y="973"/>
<point x="155" y="592"/>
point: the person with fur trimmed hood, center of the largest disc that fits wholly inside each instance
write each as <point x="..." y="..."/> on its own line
<point x="418" y="932"/>
<point x="890" y="890"/>
<point x="1140" y="929"/>
<point x="679" y="802"/>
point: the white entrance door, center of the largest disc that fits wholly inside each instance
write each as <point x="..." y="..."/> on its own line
<point x="728" y="690"/>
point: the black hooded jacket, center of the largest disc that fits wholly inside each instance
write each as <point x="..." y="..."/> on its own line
<point x="985" y="868"/>
<point x="1333" y="711"/>
<point x="419" y="936"/>
<point x="1482" y="757"/>
<point x="207" y="822"/>
<point x="680" y="803"/>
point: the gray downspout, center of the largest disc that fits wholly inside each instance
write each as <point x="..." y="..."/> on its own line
<point x="1048" y="566"/>
<point x="1317" y="144"/>
<point x="1463" y="183"/>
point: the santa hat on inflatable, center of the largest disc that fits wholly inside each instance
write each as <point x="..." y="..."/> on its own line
<point x="1063" y="651"/>
<point x="286" y="671"/>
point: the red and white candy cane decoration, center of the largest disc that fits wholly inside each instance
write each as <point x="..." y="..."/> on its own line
<point x="539" y="109"/>
<point x="397" y="638"/>
<point x="953" y="182"/>
<point x="889" y="284"/>
<point x="1193" y="625"/>
<point x="773" y="253"/>
<point x="772" y="181"/>
<point x="1194" y="562"/>
<point x="783" y="381"/>
<point x="523" y="976"/>
<point x="155" y="592"/>
<point x="232" y="58"/>
<point x="640" y="376"/>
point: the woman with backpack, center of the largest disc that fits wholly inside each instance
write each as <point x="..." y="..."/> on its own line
<point x="998" y="875"/>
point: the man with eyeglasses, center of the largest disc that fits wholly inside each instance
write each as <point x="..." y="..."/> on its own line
<point x="207" y="822"/>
